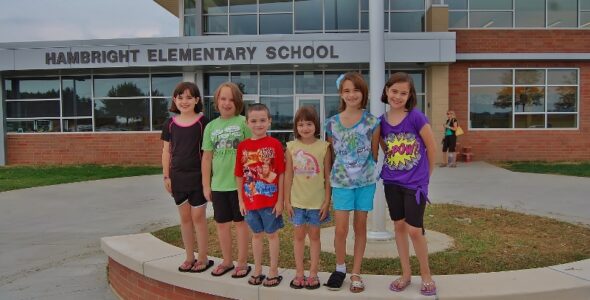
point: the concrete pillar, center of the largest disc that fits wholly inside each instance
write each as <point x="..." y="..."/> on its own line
<point x="377" y="219"/>
<point x="437" y="99"/>
<point x="437" y="77"/>
<point x="437" y="18"/>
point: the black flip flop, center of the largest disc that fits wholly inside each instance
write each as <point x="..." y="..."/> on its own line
<point x="277" y="280"/>
<point x="257" y="279"/>
<point x="180" y="269"/>
<point x="238" y="269"/>
<point x="209" y="265"/>
<point x="225" y="270"/>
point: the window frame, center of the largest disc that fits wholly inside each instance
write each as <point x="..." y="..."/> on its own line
<point x="513" y="85"/>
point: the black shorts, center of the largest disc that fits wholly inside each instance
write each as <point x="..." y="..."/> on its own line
<point x="226" y="207"/>
<point x="194" y="198"/>
<point x="402" y="205"/>
<point x="449" y="143"/>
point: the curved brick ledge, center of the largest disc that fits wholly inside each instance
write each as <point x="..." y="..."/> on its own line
<point x="141" y="266"/>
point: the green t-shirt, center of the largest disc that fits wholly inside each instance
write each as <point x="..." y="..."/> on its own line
<point x="222" y="137"/>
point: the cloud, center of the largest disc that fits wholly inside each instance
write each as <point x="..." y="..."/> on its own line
<point x="84" y="19"/>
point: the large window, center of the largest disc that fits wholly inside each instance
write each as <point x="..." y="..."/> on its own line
<point x="88" y="103"/>
<point x="523" y="98"/>
<point x="519" y="13"/>
<point x="251" y="17"/>
<point x="279" y="90"/>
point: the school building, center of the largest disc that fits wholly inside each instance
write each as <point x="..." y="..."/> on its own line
<point x="516" y="72"/>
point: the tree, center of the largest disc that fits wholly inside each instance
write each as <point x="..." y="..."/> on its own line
<point x="120" y="108"/>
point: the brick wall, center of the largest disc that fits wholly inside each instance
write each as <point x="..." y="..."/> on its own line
<point x="550" y="145"/>
<point x="523" y="41"/>
<point x="87" y="148"/>
<point x="131" y="285"/>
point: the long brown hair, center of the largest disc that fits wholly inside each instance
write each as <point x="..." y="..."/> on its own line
<point x="401" y="77"/>
<point x="359" y="82"/>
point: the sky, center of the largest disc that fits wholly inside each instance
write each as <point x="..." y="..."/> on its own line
<point x="55" y="20"/>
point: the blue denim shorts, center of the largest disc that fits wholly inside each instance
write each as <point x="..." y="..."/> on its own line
<point x="263" y="219"/>
<point x="360" y="198"/>
<point x="302" y="216"/>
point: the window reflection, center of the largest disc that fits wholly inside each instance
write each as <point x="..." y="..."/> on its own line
<point x="529" y="99"/>
<point x="160" y="112"/>
<point x="122" y="114"/>
<point x="32" y="109"/>
<point x="561" y="98"/>
<point x="120" y="86"/>
<point x="77" y="125"/>
<point x="529" y="121"/>
<point x="242" y="24"/>
<point x="281" y="111"/>
<point x="562" y="13"/>
<point x="276" y="83"/>
<point x="76" y="97"/>
<point x="40" y="125"/>
<point x="341" y="15"/>
<point x="276" y="24"/>
<point x="308" y="15"/>
<point x="32" y="88"/>
<point x="491" y="107"/>
<point x="529" y="13"/>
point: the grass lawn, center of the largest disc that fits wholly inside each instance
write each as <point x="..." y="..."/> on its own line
<point x="12" y="178"/>
<point x="486" y="240"/>
<point x="581" y="169"/>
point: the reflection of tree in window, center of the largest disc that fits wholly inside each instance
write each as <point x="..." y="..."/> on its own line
<point x="117" y="108"/>
<point x="504" y="98"/>
<point x="567" y="98"/>
<point x="529" y="95"/>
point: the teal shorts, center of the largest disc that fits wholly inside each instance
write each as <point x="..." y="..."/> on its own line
<point x="360" y="198"/>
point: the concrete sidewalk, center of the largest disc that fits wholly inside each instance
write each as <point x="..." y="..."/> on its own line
<point x="561" y="197"/>
<point x="49" y="236"/>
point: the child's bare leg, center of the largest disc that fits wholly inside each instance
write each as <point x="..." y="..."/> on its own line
<point x="341" y="232"/>
<point x="243" y="235"/>
<point x="314" y="249"/>
<point x="257" y="244"/>
<point x="360" y="239"/>
<point x="421" y="249"/>
<point x="273" y="250"/>
<point x="224" y="236"/>
<point x="403" y="247"/>
<point x="299" y="249"/>
<point x="200" y="224"/>
<point x="186" y="230"/>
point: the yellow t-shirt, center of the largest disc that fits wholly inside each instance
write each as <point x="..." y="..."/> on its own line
<point x="307" y="190"/>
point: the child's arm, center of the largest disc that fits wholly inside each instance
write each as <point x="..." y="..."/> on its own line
<point x="288" y="183"/>
<point x="278" y="210"/>
<point x="375" y="142"/>
<point x="206" y="173"/>
<point x="240" y="184"/>
<point x="166" y="166"/>
<point x="428" y="138"/>
<point x="325" y="210"/>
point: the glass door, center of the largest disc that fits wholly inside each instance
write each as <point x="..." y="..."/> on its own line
<point x="317" y="102"/>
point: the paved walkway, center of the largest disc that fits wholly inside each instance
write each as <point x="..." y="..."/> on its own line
<point x="49" y="236"/>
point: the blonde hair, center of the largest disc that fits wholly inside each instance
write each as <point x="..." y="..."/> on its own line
<point x="236" y="95"/>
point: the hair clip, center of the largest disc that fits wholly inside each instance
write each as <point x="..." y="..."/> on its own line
<point x="339" y="80"/>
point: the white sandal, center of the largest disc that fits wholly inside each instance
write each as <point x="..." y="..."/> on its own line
<point x="356" y="286"/>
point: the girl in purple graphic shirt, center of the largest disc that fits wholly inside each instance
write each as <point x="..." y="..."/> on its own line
<point x="409" y="146"/>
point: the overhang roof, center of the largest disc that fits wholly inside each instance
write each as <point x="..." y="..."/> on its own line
<point x="169" y="5"/>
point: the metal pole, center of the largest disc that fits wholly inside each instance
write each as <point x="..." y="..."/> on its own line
<point x="377" y="72"/>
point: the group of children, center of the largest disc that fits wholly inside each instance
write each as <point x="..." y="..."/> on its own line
<point x="233" y="163"/>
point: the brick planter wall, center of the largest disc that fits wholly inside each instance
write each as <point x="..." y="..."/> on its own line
<point x="131" y="285"/>
<point x="85" y="148"/>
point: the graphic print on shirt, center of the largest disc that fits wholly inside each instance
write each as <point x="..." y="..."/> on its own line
<point x="352" y="152"/>
<point x="226" y="138"/>
<point x="259" y="174"/>
<point x="402" y="151"/>
<point x="305" y="164"/>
